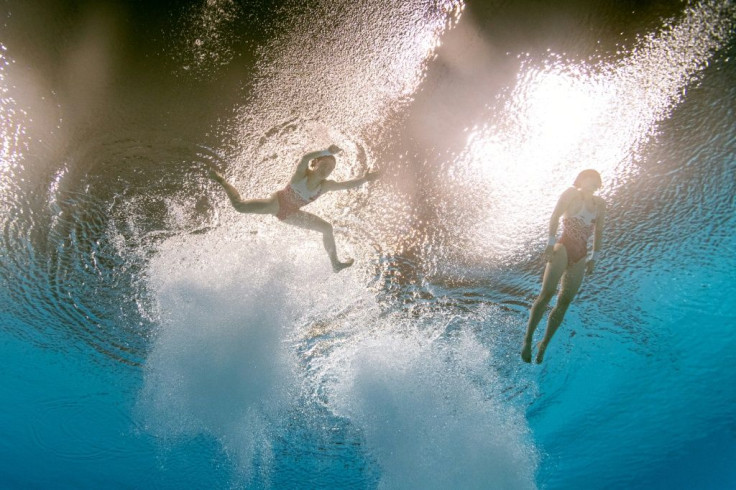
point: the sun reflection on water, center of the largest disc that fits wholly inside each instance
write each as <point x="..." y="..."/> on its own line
<point x="344" y="65"/>
<point x="13" y="137"/>
<point x="8" y="128"/>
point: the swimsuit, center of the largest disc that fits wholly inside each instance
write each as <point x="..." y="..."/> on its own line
<point x="295" y="196"/>
<point x="576" y="231"/>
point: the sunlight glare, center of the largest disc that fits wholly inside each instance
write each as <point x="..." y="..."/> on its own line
<point x="550" y="115"/>
<point x="564" y="116"/>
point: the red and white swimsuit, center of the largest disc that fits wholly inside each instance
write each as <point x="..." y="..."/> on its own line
<point x="576" y="231"/>
<point x="295" y="196"/>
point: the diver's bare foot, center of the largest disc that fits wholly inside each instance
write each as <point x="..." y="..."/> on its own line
<point x="526" y="351"/>
<point x="541" y="347"/>
<point x="337" y="266"/>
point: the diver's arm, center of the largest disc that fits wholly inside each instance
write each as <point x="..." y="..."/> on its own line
<point x="554" y="221"/>
<point x="301" y="169"/>
<point x="331" y="185"/>
<point x="600" y="221"/>
<point x="560" y="207"/>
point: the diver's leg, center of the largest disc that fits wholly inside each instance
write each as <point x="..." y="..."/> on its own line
<point x="309" y="221"/>
<point x="552" y="274"/>
<point x="258" y="206"/>
<point x="571" y="282"/>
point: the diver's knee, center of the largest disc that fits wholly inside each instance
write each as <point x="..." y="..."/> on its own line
<point x="564" y="301"/>
<point x="240" y="206"/>
<point x="542" y="301"/>
<point x="545" y="296"/>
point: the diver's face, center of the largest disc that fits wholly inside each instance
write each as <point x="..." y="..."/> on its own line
<point x="324" y="167"/>
<point x="589" y="184"/>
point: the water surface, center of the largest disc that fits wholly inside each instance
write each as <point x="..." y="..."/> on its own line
<point x="155" y="338"/>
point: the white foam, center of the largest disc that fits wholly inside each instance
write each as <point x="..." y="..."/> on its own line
<point x="228" y="362"/>
<point x="218" y="365"/>
<point x="425" y="419"/>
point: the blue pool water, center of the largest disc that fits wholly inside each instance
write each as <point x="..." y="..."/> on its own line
<point x="152" y="337"/>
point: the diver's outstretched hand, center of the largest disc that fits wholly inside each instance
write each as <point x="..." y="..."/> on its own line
<point x="334" y="149"/>
<point x="371" y="176"/>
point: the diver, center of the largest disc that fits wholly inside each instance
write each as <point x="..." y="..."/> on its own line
<point x="307" y="184"/>
<point x="582" y="213"/>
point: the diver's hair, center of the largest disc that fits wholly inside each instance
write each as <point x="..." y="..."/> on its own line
<point x="315" y="161"/>
<point x="586" y="174"/>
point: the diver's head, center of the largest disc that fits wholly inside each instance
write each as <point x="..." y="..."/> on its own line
<point x="322" y="167"/>
<point x="588" y="180"/>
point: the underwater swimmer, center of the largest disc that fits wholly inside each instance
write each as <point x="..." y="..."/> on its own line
<point x="582" y="212"/>
<point x="307" y="184"/>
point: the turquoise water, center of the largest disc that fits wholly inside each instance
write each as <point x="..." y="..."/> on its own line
<point x="154" y="338"/>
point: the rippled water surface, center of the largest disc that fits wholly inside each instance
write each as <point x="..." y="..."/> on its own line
<point x="153" y="337"/>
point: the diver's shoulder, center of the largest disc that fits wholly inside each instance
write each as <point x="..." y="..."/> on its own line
<point x="600" y="203"/>
<point x="570" y="193"/>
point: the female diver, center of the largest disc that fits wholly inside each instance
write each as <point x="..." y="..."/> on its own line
<point x="307" y="184"/>
<point x="582" y="212"/>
